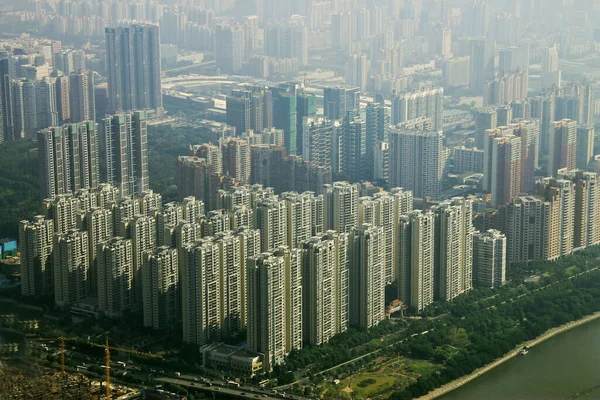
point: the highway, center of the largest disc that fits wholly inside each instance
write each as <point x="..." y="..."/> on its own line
<point x="217" y="387"/>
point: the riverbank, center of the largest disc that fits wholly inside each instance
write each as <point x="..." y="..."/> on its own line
<point x="545" y="336"/>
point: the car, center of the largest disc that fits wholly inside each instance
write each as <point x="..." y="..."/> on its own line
<point x="208" y="384"/>
<point x="243" y="394"/>
<point x="196" y="379"/>
<point x="217" y="388"/>
<point x="191" y="383"/>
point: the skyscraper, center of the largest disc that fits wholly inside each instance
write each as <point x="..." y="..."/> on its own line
<point x="274" y="316"/>
<point x="489" y="258"/>
<point x="367" y="276"/>
<point x="377" y="129"/>
<point x="35" y="247"/>
<point x="585" y="146"/>
<point x="561" y="199"/>
<point x="238" y="112"/>
<point x="502" y="165"/>
<point x="482" y="62"/>
<point x="68" y="158"/>
<point x="563" y="146"/>
<point x="115" y="277"/>
<point x="454" y="248"/>
<point x="587" y="209"/>
<point x="526" y="229"/>
<point x="236" y="159"/>
<point x="161" y="288"/>
<point x="133" y="60"/>
<point x="81" y="96"/>
<point x="416" y="161"/>
<point x="425" y="100"/>
<point x="485" y="118"/>
<point x="341" y="205"/>
<point x="287" y="40"/>
<point x="230" y="48"/>
<point x="305" y="108"/>
<point x="325" y="285"/>
<point x="354" y="148"/>
<point x="285" y="114"/>
<point x="126" y="152"/>
<point x="317" y="141"/>
<point x="416" y="259"/>
<point x="272" y="222"/>
<point x="337" y="101"/>
<point x="71" y="267"/>
<point x="201" y="292"/>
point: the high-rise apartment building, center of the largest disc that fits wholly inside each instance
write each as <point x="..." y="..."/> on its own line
<point x="337" y="101"/>
<point x="454" y="248"/>
<point x="236" y="159"/>
<point x="115" y="277"/>
<point x="299" y="217"/>
<point x="71" y="267"/>
<point x="133" y="62"/>
<point x="489" y="258"/>
<point x="529" y="132"/>
<point x="35" y="247"/>
<point x="325" y="287"/>
<point x="98" y="222"/>
<point x="274" y="282"/>
<point x="272" y="222"/>
<point x="230" y="48"/>
<point x="502" y="165"/>
<point x="485" y="118"/>
<point x="560" y="196"/>
<point x="587" y="207"/>
<point x="526" y="229"/>
<point x="201" y="292"/>
<point x="416" y="161"/>
<point x="482" y="55"/>
<point x="563" y="146"/>
<point x="161" y="288"/>
<point x="126" y="151"/>
<point x="287" y="40"/>
<point x="68" y="158"/>
<point x="416" y="259"/>
<point x="354" y="148"/>
<point x="543" y="108"/>
<point x="341" y="205"/>
<point x="305" y="108"/>
<point x="285" y="114"/>
<point x="425" y="100"/>
<point x="82" y="105"/>
<point x="367" y="276"/>
<point x="584" y="146"/>
<point x="376" y="132"/>
<point x="317" y="140"/>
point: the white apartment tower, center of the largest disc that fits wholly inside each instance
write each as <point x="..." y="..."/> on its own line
<point x="71" y="267"/>
<point x="160" y="275"/>
<point x="325" y="283"/>
<point x="489" y="258"/>
<point x="35" y="246"/>
<point x="454" y="248"/>
<point x="115" y="277"/>
<point x="367" y="276"/>
<point x="416" y="260"/>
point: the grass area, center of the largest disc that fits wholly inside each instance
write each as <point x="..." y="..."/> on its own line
<point x="382" y="377"/>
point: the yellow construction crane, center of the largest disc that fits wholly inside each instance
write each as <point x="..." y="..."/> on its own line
<point x="107" y="350"/>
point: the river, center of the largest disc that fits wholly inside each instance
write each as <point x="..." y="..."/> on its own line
<point x="558" y="368"/>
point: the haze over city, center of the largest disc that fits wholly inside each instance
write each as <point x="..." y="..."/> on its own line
<point x="306" y="199"/>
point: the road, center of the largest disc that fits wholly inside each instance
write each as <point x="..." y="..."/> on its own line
<point x="221" y="387"/>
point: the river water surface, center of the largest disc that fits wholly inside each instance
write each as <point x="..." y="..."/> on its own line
<point x="559" y="368"/>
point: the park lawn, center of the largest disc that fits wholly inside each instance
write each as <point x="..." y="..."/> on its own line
<point x="382" y="384"/>
<point x="379" y="381"/>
